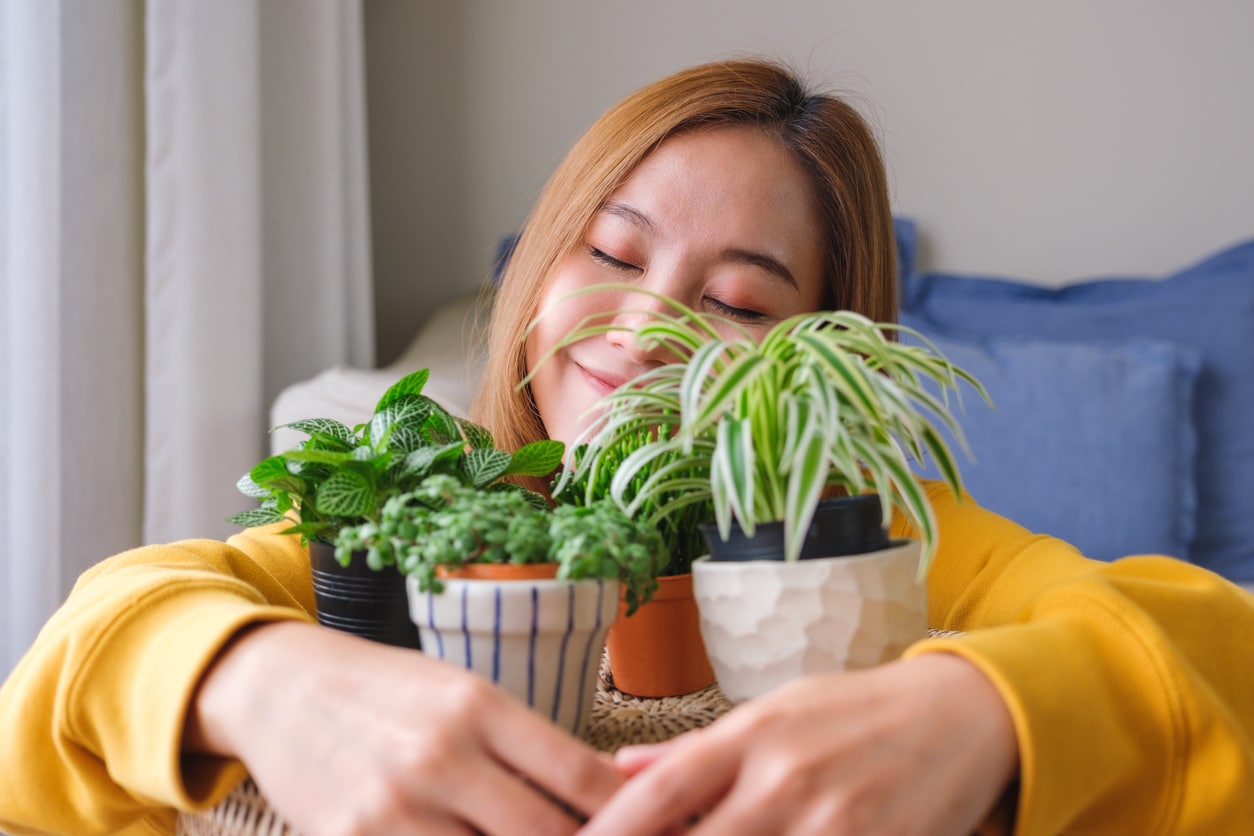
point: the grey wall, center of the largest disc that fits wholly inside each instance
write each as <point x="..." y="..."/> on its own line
<point x="1049" y="141"/>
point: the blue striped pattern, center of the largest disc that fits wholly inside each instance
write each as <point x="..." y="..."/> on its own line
<point x="516" y="634"/>
<point x="496" y="637"/>
<point x="561" y="658"/>
<point x="587" y="653"/>
<point x="466" y="630"/>
<point x="439" y="639"/>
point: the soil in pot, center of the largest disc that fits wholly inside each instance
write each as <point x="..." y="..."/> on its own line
<point x="842" y="525"/>
<point x="359" y="600"/>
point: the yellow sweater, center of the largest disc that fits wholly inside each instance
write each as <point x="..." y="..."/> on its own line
<point x="1131" y="683"/>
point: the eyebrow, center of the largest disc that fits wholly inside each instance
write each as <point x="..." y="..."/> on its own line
<point x="753" y="258"/>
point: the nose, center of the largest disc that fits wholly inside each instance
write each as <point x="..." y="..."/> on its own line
<point x="637" y="311"/>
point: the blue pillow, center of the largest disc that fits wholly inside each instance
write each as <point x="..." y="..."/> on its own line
<point x="1090" y="442"/>
<point x="1208" y="306"/>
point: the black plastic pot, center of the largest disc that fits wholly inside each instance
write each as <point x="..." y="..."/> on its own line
<point x="356" y="599"/>
<point x="843" y="525"/>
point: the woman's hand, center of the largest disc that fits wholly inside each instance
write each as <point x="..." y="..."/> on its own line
<point x="924" y="745"/>
<point x="343" y="735"/>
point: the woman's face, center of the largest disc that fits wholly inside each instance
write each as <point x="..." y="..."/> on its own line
<point x="723" y="220"/>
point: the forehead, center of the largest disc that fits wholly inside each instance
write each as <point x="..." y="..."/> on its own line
<point x="742" y="178"/>
<point x="711" y="189"/>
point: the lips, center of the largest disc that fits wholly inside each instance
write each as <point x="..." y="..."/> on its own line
<point x="601" y="382"/>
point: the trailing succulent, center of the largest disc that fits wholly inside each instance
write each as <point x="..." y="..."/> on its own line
<point x="445" y="523"/>
<point x="341" y="477"/>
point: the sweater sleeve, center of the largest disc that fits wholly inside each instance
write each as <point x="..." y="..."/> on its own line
<point x="1131" y="683"/>
<point x="92" y="716"/>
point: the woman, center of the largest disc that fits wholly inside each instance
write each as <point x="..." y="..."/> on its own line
<point x="1095" y="700"/>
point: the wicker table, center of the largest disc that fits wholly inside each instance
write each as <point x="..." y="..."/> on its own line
<point x="617" y="720"/>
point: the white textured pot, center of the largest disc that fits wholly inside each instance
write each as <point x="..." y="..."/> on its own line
<point x="765" y="622"/>
<point x="541" y="640"/>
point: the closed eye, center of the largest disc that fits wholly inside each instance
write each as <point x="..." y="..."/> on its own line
<point x="745" y="315"/>
<point x="610" y="261"/>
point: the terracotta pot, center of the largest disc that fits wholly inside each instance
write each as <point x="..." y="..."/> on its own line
<point x="537" y="637"/>
<point x="356" y="599"/>
<point x="767" y="622"/>
<point x="658" y="652"/>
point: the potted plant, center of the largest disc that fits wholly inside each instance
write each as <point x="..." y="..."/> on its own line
<point x="515" y="590"/>
<point x="801" y="444"/>
<point x="656" y="650"/>
<point x="341" y="476"/>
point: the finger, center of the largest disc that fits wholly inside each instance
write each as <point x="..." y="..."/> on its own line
<point x="428" y="825"/>
<point x="551" y="758"/>
<point x="495" y="800"/>
<point x="695" y="773"/>
<point x="631" y="760"/>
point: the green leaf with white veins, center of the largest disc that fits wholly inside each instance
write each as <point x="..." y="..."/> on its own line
<point x="346" y="494"/>
<point x="539" y="458"/>
<point x="325" y="427"/>
<point x="485" y="466"/>
<point x="410" y="384"/>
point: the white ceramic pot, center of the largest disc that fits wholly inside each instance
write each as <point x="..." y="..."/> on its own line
<point x="765" y="622"/>
<point x="541" y="640"/>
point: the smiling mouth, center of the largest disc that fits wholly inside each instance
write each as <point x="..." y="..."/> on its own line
<point x="599" y="384"/>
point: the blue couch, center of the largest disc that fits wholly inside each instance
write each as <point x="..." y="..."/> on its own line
<point x="1121" y="405"/>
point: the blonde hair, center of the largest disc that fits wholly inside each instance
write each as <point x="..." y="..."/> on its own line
<point x="830" y="140"/>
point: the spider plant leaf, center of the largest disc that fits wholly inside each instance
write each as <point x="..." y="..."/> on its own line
<point x="697" y="371"/>
<point x="805" y="486"/>
<point x="731" y="474"/>
<point x="898" y="486"/>
<point x="846" y="371"/>
<point x="943" y="458"/>
<point x="731" y="382"/>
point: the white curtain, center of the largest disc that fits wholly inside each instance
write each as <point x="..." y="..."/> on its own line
<point x="183" y="231"/>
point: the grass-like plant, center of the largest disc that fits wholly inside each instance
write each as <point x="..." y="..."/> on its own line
<point x="685" y="510"/>
<point x="340" y="477"/>
<point x="760" y="428"/>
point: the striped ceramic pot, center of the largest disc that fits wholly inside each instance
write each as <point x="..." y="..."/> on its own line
<point x="537" y="637"/>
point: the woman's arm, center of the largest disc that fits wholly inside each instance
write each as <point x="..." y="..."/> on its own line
<point x="1129" y="682"/>
<point x="92" y="717"/>
<point x="169" y="668"/>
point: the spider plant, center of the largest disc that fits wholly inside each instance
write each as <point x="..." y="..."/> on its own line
<point x="759" y="429"/>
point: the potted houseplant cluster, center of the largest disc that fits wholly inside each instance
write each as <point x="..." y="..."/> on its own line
<point x="656" y="650"/>
<point x="522" y="593"/>
<point x="499" y="581"/>
<point x="800" y="446"/>
<point x="341" y="476"/>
